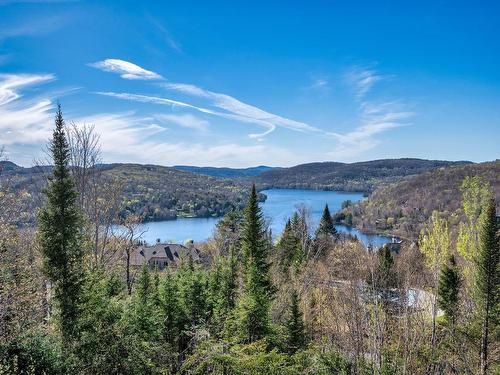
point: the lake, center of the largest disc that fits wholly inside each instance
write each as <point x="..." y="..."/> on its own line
<point x="278" y="207"/>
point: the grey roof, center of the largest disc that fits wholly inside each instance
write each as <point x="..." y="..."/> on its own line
<point x="170" y="253"/>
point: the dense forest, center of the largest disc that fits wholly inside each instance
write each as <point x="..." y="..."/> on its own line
<point x="361" y="176"/>
<point x="226" y="172"/>
<point x="403" y="208"/>
<point x="148" y="191"/>
<point x="311" y="302"/>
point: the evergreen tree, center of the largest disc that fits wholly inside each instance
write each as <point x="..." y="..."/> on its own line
<point x="60" y="230"/>
<point x="145" y="315"/>
<point x="171" y="310"/>
<point x="253" y="307"/>
<point x="386" y="277"/>
<point x="296" y="334"/>
<point x="326" y="226"/>
<point x="488" y="277"/>
<point x="289" y="246"/>
<point x="223" y="289"/>
<point x="449" y="289"/>
<point x="254" y="242"/>
<point x="194" y="289"/>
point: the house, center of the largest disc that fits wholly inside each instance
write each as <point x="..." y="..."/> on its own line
<point x="163" y="255"/>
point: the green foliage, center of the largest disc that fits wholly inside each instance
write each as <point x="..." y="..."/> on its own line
<point x="144" y="314"/>
<point x="411" y="201"/>
<point x="223" y="290"/>
<point x="475" y="195"/>
<point x="435" y="242"/>
<point x="385" y="273"/>
<point x="296" y="332"/>
<point x="290" y="248"/>
<point x="326" y="226"/>
<point x="254" y="305"/>
<point x="34" y="354"/>
<point x="488" y="277"/>
<point x="60" y="229"/>
<point x="449" y="289"/>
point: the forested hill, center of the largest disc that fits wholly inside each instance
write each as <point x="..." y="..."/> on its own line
<point x="362" y="176"/>
<point x="155" y="192"/>
<point x="403" y="207"/>
<point x="226" y="172"/>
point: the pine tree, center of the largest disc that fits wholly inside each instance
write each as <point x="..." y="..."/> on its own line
<point x="488" y="277"/>
<point x="289" y="246"/>
<point x="60" y="230"/>
<point x="145" y="315"/>
<point x="254" y="241"/>
<point x="386" y="277"/>
<point x="449" y="289"/>
<point x="296" y="334"/>
<point x="171" y="310"/>
<point x="194" y="288"/>
<point x="254" y="305"/>
<point x="326" y="226"/>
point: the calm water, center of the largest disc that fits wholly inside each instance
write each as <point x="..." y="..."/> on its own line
<point x="279" y="206"/>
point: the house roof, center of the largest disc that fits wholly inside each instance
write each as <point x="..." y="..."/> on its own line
<point x="169" y="252"/>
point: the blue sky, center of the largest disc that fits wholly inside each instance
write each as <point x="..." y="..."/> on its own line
<point x="229" y="83"/>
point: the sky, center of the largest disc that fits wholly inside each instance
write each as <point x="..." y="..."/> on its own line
<point x="246" y="83"/>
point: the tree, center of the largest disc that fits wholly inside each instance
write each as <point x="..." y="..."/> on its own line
<point x="144" y="313"/>
<point x="326" y="226"/>
<point x="449" y="289"/>
<point x="171" y="308"/>
<point x="254" y="305"/>
<point x="289" y="246"/>
<point x="488" y="276"/>
<point x="475" y="195"/>
<point x="434" y="243"/>
<point x="254" y="242"/>
<point x="60" y="229"/>
<point x="296" y="334"/>
<point x="385" y="274"/>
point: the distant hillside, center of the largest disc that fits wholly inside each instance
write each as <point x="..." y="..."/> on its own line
<point x="226" y="172"/>
<point x="403" y="207"/>
<point x="155" y="192"/>
<point x="362" y="176"/>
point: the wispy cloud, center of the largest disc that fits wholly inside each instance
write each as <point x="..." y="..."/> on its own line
<point x="233" y="108"/>
<point x="186" y="121"/>
<point x="362" y="80"/>
<point x="23" y="121"/>
<point x="239" y="108"/>
<point x="166" y="35"/>
<point x="10" y="84"/>
<point x="125" y="69"/>
<point x="319" y="84"/>
<point x="32" y="26"/>
<point x="375" y="117"/>
<point x="128" y="137"/>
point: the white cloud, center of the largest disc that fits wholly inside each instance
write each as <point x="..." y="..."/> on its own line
<point x="235" y="109"/>
<point x="362" y="80"/>
<point x="11" y="83"/>
<point x="186" y="121"/>
<point x="23" y="121"/>
<point x="375" y="118"/>
<point x="239" y="108"/>
<point x="175" y="104"/>
<point x="126" y="137"/>
<point x="127" y="70"/>
<point x="167" y="37"/>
